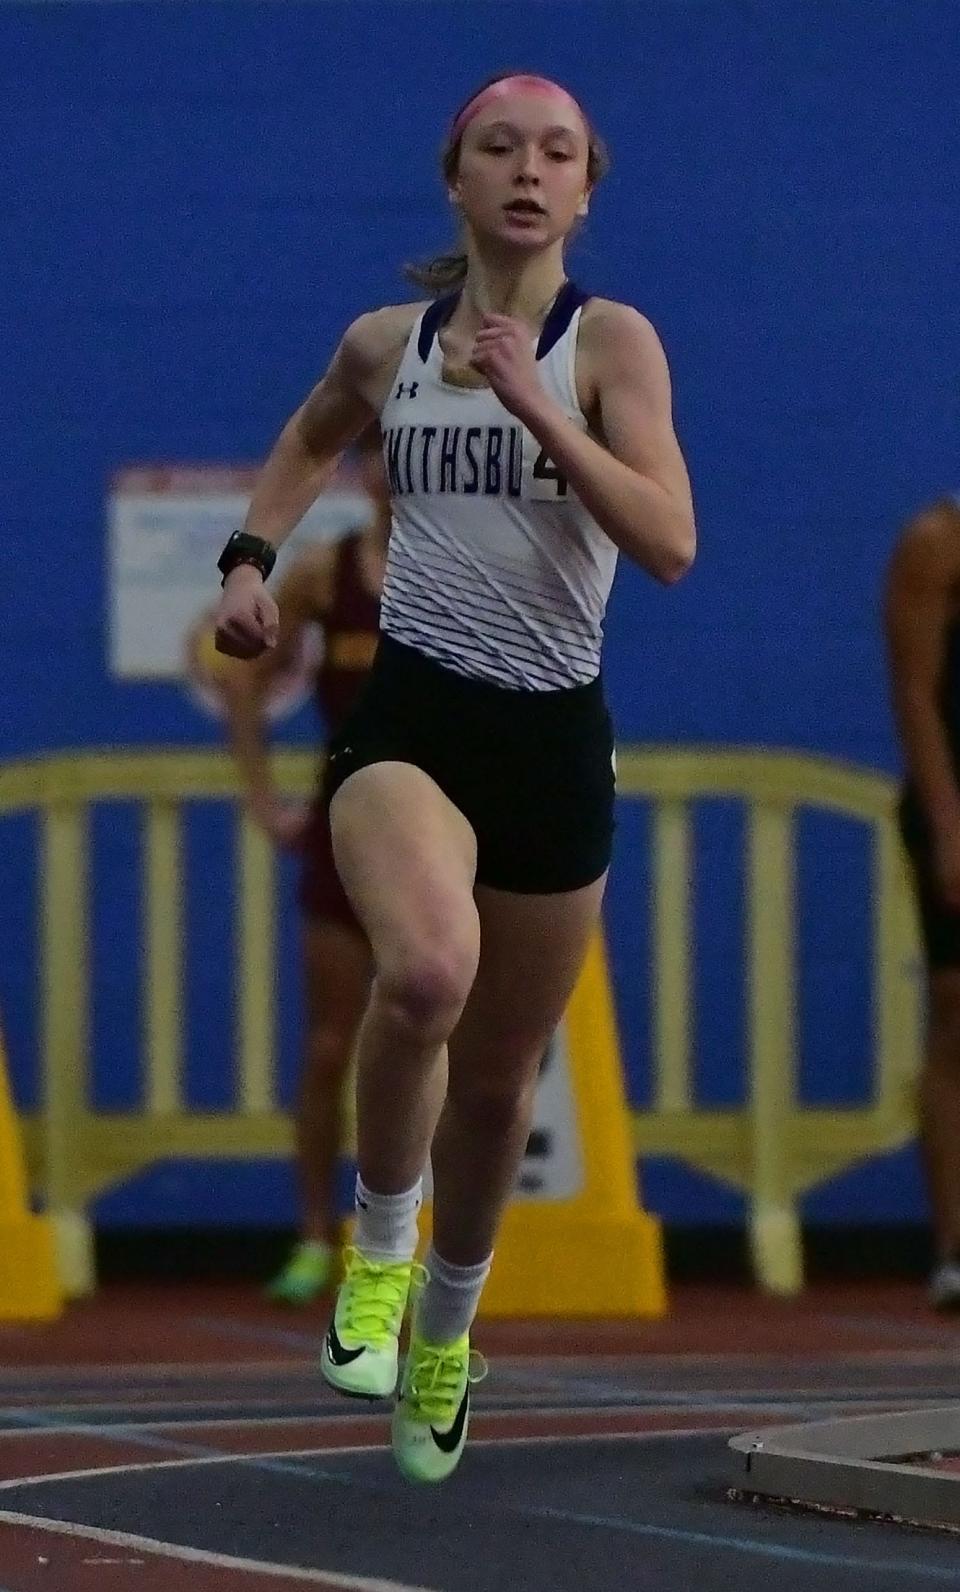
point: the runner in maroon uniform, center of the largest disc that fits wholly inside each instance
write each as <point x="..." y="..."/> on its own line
<point x="337" y="589"/>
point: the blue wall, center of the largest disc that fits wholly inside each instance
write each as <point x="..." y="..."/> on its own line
<point x="197" y="198"/>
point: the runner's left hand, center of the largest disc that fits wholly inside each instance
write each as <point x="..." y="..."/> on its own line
<point x="504" y="354"/>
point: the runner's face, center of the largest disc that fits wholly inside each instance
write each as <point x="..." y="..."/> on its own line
<point x="522" y="175"/>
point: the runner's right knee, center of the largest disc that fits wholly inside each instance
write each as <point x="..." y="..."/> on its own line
<point x="423" y="985"/>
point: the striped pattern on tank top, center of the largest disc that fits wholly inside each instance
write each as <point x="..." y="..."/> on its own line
<point x="495" y="569"/>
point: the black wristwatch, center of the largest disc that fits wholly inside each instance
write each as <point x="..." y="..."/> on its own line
<point x="242" y="548"/>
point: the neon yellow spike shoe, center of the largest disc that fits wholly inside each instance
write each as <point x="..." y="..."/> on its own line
<point x="307" y="1274"/>
<point x="433" y="1411"/>
<point x="359" y="1353"/>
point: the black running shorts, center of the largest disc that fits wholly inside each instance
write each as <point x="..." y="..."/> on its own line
<point x="531" y="771"/>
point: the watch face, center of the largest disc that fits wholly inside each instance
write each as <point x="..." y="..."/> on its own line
<point x="243" y="548"/>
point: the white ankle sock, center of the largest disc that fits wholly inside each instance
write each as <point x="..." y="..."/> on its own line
<point x="448" y="1304"/>
<point x="387" y="1223"/>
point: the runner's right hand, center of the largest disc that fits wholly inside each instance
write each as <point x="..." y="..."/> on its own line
<point x="247" y="618"/>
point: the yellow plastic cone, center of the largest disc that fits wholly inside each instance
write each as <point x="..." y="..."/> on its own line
<point x="29" y="1285"/>
<point x="592" y="1250"/>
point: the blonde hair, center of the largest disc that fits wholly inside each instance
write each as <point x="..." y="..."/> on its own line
<point x="442" y="273"/>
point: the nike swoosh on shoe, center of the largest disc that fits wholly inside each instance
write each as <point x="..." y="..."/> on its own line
<point x="338" y="1354"/>
<point x="448" y="1441"/>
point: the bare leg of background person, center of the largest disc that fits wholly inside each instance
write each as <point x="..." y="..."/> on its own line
<point x="336" y="970"/>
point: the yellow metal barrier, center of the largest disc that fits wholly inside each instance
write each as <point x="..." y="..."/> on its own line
<point x="74" y="1152"/>
<point x="773" y="1148"/>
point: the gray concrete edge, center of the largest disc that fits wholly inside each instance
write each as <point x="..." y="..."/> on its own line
<point x="852" y="1463"/>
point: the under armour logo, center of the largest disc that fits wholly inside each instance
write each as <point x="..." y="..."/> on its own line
<point x="408" y="392"/>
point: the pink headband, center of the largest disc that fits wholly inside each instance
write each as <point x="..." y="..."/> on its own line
<point x="501" y="90"/>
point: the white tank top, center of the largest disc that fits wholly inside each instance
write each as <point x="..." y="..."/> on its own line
<point x="495" y="569"/>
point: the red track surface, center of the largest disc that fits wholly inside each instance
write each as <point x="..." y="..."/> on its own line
<point x="127" y="1324"/>
<point x="148" y="1382"/>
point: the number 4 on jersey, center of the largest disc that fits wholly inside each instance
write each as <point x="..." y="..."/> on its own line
<point x="554" y="484"/>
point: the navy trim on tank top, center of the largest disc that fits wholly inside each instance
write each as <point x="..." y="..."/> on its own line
<point x="565" y="305"/>
<point x="436" y="316"/>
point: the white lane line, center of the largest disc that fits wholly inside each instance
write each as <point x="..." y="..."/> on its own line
<point x="330" y="1578"/>
<point x="607" y="1359"/>
<point x="45" y="1417"/>
<point x="800" y="1401"/>
<point x="337" y="1415"/>
<point x="139" y="1373"/>
<point x="177" y="1464"/>
<point x="335" y="1452"/>
<point x="28" y="1426"/>
<point x="220" y="1561"/>
<point x="26" y="1419"/>
<point x="181" y="1370"/>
